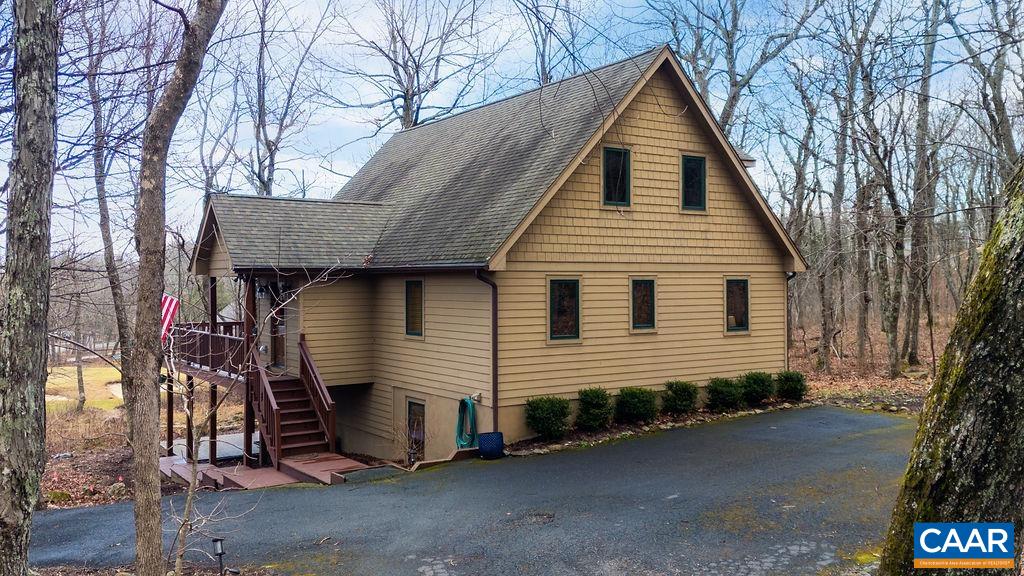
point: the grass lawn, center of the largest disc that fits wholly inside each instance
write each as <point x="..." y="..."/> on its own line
<point x="63" y="381"/>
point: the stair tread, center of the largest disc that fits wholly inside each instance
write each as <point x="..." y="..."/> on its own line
<point x="285" y="445"/>
<point x="302" y="432"/>
<point x="296" y="410"/>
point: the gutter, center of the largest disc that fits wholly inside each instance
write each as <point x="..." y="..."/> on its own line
<point x="494" y="346"/>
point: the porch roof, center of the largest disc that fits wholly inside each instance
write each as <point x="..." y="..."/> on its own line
<point x="262" y="232"/>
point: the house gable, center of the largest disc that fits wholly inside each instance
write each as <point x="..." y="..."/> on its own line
<point x="659" y="127"/>
<point x="689" y="255"/>
<point x="702" y="133"/>
<point x="210" y="254"/>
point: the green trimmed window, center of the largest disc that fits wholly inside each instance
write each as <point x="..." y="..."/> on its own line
<point x="642" y="300"/>
<point x="414" y="307"/>
<point x="737" y="305"/>
<point x="615" y="166"/>
<point x="694" y="180"/>
<point x="564" y="309"/>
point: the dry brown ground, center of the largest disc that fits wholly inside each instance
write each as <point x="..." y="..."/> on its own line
<point x="88" y="458"/>
<point x="866" y="384"/>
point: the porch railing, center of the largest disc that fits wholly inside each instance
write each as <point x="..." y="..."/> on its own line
<point x="310" y="377"/>
<point x="268" y="413"/>
<point x="223" y="350"/>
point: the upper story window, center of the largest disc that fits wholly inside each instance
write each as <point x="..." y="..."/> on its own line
<point x="694" y="183"/>
<point x="414" y="307"/>
<point x="737" y="304"/>
<point x="642" y="304"/>
<point x="564" y="309"/>
<point x="615" y="176"/>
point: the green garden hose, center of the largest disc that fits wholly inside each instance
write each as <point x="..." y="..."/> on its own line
<point x="467" y="416"/>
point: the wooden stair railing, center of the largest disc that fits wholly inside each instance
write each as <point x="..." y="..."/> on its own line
<point x="310" y="377"/>
<point x="268" y="413"/>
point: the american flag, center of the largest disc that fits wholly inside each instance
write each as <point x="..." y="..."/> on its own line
<point x="168" y="310"/>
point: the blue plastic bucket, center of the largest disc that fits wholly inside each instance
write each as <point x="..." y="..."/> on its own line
<point x="491" y="444"/>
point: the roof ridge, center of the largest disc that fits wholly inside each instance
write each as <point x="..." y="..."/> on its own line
<point x="551" y="85"/>
<point x="295" y="199"/>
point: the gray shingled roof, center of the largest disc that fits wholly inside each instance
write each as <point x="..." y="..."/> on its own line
<point x="263" y="232"/>
<point x="445" y="193"/>
<point x="461" y="185"/>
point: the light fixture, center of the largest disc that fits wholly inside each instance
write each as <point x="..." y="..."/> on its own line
<point x="218" y="551"/>
<point x="261" y="289"/>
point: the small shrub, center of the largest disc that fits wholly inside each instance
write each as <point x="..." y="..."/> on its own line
<point x="548" y="416"/>
<point x="595" y="409"/>
<point x="680" y="397"/>
<point x="790" y="385"/>
<point x="724" y="394"/>
<point x="757" y="387"/>
<point x="636" y="405"/>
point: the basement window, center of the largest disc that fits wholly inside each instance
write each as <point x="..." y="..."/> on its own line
<point x="414" y="307"/>
<point x="564" y="309"/>
<point x="737" y="305"/>
<point x="642" y="297"/>
<point x="694" y="183"/>
<point x="615" y="174"/>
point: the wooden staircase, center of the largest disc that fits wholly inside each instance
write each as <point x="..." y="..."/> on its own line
<point x="302" y="432"/>
<point x="295" y="415"/>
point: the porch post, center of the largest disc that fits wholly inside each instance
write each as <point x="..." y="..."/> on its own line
<point x="213" y="424"/>
<point x="217" y="353"/>
<point x="169" y="382"/>
<point x="249" y="328"/>
<point x="190" y="389"/>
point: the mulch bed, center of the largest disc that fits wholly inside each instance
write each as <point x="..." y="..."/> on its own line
<point x="617" y="431"/>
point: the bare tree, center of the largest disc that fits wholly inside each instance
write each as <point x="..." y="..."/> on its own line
<point x="25" y="285"/>
<point x="728" y="40"/>
<point x="280" y="90"/>
<point x="923" y="207"/>
<point x="422" y="64"/>
<point x="968" y="457"/>
<point x="991" y="63"/>
<point x="556" y="34"/>
<point x="143" y="367"/>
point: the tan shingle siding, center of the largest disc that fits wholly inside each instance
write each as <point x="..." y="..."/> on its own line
<point x="691" y="254"/>
<point x="453" y="357"/>
<point x="335" y="319"/>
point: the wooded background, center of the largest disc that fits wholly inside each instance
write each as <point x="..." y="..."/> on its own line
<point x="883" y="131"/>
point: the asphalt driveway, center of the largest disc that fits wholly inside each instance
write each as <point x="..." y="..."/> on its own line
<point x="792" y="492"/>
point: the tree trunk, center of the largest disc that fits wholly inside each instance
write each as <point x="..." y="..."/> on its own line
<point x="923" y="206"/>
<point x="79" y="370"/>
<point x="968" y="458"/>
<point x="144" y="364"/>
<point x="99" y="166"/>
<point x="26" y="281"/>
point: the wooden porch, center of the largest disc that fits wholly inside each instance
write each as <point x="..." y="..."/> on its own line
<point x="294" y="415"/>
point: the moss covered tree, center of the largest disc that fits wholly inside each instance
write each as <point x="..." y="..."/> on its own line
<point x="968" y="458"/>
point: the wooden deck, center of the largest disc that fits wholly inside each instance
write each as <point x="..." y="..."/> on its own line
<point x="325" y="468"/>
<point x="317" y="468"/>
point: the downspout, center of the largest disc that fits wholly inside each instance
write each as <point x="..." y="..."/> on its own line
<point x="494" y="346"/>
<point x="789" y="276"/>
